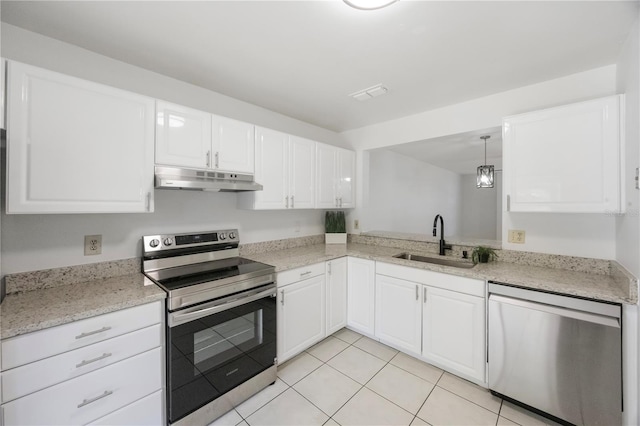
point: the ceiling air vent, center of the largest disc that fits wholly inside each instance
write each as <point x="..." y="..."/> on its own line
<point x="371" y="92"/>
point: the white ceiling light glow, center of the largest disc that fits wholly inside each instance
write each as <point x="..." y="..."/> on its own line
<point x="369" y="4"/>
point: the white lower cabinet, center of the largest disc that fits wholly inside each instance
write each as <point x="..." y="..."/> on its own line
<point x="336" y="273"/>
<point x="143" y="412"/>
<point x="453" y="332"/>
<point x="435" y="316"/>
<point x="361" y="295"/>
<point x="301" y="310"/>
<point x="86" y="370"/>
<point x="398" y="313"/>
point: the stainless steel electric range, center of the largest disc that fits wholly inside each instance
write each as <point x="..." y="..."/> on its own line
<point x="221" y="322"/>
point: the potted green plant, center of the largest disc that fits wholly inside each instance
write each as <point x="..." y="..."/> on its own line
<point x="482" y="254"/>
<point x="335" y="228"/>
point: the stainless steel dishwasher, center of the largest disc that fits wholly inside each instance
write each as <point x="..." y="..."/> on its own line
<point x="560" y="355"/>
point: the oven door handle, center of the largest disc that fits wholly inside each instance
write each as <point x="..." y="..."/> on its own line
<point x="178" y="318"/>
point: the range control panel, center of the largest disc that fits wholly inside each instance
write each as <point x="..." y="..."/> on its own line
<point x="153" y="243"/>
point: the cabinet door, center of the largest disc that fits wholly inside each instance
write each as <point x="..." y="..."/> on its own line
<point x="271" y="169"/>
<point x="361" y="295"/>
<point x="565" y="159"/>
<point x="454" y="332"/>
<point x="302" y="176"/>
<point x="346" y="178"/>
<point x="336" y="294"/>
<point x="3" y="97"/>
<point x="399" y="313"/>
<point x="326" y="171"/>
<point x="74" y="146"/>
<point x="233" y="145"/>
<point x="301" y="316"/>
<point x="183" y="136"/>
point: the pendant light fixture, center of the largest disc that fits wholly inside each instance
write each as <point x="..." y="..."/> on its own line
<point x="369" y="4"/>
<point x="485" y="172"/>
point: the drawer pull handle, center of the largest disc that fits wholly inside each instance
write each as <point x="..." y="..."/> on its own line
<point x="305" y="273"/>
<point x="91" y="333"/>
<point x="89" y="361"/>
<point x="89" y="401"/>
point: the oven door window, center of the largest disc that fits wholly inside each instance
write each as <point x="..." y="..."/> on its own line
<point x="212" y="355"/>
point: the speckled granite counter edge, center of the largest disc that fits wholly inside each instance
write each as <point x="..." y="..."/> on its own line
<point x="56" y="277"/>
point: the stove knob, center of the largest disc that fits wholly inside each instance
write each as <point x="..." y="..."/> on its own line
<point x="168" y="241"/>
<point x="232" y="235"/>
<point x="154" y="243"/>
<point x="222" y="236"/>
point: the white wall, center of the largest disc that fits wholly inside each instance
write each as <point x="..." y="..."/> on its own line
<point x="479" y="210"/>
<point x="31" y="242"/>
<point x="577" y="235"/>
<point x="406" y="194"/>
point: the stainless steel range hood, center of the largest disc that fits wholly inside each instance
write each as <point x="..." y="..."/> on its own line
<point x="202" y="180"/>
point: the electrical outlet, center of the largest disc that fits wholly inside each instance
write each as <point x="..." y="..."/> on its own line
<point x="92" y="245"/>
<point x="356" y="224"/>
<point x="516" y="236"/>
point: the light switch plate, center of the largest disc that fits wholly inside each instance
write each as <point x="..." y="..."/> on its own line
<point x="92" y="245"/>
<point x="516" y="236"/>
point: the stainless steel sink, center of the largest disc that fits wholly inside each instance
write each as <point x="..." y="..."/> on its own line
<point x="435" y="260"/>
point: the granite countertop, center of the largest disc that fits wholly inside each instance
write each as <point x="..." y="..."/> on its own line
<point x="610" y="288"/>
<point x="29" y="311"/>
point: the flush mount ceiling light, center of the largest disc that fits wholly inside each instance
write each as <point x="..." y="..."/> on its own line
<point x="371" y="92"/>
<point x="485" y="172"/>
<point x="369" y="4"/>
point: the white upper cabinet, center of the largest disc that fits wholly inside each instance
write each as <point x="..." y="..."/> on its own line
<point x="335" y="177"/>
<point x="3" y="97"/>
<point x="187" y="137"/>
<point x="232" y="146"/>
<point x="285" y="166"/>
<point x="183" y="136"/>
<point x="302" y="177"/>
<point x="565" y="159"/>
<point x="74" y="146"/>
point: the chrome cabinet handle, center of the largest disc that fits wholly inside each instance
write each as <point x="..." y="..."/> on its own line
<point x="337" y="205"/>
<point x="89" y="401"/>
<point x="287" y="200"/>
<point x="282" y="298"/>
<point x="305" y="273"/>
<point x="89" y="361"/>
<point x="148" y="201"/>
<point x="91" y="333"/>
<point x="208" y="158"/>
<point x="417" y="293"/>
<point x="508" y="203"/>
<point x="329" y="266"/>
<point x="217" y="159"/>
<point x="425" y="295"/>
<point x="292" y="201"/>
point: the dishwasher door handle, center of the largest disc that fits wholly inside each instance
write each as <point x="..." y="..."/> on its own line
<point x="563" y="312"/>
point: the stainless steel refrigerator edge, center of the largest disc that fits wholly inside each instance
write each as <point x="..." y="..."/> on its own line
<point x="560" y="355"/>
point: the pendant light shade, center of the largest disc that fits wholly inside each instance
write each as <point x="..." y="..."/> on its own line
<point x="484" y="178"/>
<point x="369" y="4"/>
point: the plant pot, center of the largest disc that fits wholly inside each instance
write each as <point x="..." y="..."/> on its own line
<point x="483" y="258"/>
<point x="338" y="238"/>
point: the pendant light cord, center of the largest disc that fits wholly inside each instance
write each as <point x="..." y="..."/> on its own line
<point x="485" y="148"/>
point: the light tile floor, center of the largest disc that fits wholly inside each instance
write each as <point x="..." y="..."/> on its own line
<point x="349" y="379"/>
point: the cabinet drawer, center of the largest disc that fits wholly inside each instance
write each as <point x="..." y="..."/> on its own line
<point x="144" y="412"/>
<point x="465" y="285"/>
<point x="38" y="375"/>
<point x="91" y="396"/>
<point x="41" y="344"/>
<point x="295" y="275"/>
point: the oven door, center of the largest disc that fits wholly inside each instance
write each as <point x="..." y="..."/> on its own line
<point x="216" y="346"/>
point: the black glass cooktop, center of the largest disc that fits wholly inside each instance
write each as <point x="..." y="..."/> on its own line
<point x="190" y="275"/>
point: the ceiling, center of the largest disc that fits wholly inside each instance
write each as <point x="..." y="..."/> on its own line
<point x="302" y="58"/>
<point x="461" y="153"/>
